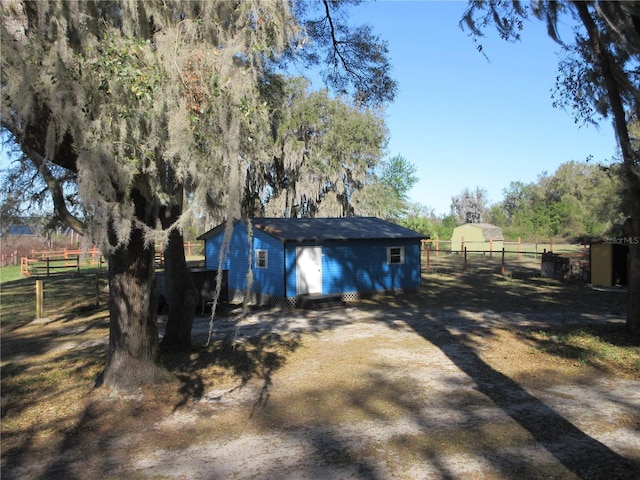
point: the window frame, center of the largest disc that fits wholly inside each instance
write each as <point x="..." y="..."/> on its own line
<point x="265" y="260"/>
<point x="391" y="255"/>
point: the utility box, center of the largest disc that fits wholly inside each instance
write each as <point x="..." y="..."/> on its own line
<point x="554" y="266"/>
<point x="608" y="264"/>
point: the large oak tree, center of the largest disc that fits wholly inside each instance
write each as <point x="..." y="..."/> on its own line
<point x="143" y="102"/>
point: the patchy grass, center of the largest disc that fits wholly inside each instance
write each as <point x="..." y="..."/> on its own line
<point x="607" y="348"/>
<point x="65" y="296"/>
<point x="51" y="412"/>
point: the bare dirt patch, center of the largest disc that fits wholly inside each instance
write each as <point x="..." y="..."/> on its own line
<point x="474" y="377"/>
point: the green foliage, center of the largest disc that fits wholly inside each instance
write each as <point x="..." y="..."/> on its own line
<point x="422" y="219"/>
<point x="580" y="199"/>
<point x="386" y="193"/>
<point x="420" y="224"/>
<point x="399" y="174"/>
<point x="324" y="150"/>
<point x="447" y="224"/>
<point x="497" y="216"/>
<point x="340" y="47"/>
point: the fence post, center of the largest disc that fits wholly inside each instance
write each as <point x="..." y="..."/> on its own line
<point x="48" y="266"/>
<point x="465" y="259"/>
<point x="97" y="290"/>
<point x="502" y="267"/>
<point x="490" y="247"/>
<point x="519" y="248"/>
<point x="39" y="298"/>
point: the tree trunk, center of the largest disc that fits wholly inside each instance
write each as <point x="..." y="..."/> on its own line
<point x="629" y="163"/>
<point x="183" y="295"/>
<point x="133" y="332"/>
<point x="632" y="234"/>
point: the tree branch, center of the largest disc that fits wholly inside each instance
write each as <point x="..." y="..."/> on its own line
<point x="336" y="42"/>
<point x="59" y="203"/>
<point x="613" y="90"/>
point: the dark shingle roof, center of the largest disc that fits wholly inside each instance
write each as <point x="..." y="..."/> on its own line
<point x="321" y="229"/>
<point x="490" y="231"/>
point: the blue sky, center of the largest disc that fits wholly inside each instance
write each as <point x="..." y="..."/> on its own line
<point x="464" y="121"/>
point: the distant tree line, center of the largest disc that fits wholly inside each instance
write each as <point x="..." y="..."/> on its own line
<point x="580" y="199"/>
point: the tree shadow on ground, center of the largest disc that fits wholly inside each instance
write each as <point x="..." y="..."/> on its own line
<point x="90" y="441"/>
<point x="551" y="430"/>
<point x="43" y="388"/>
<point x="256" y="357"/>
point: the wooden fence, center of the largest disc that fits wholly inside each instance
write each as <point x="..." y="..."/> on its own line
<point x="49" y="262"/>
<point x="48" y="265"/>
<point x="570" y="260"/>
<point x="9" y="259"/>
<point x="533" y="249"/>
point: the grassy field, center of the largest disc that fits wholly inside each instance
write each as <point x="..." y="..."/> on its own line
<point x="49" y="366"/>
<point x="10" y="274"/>
<point x="63" y="295"/>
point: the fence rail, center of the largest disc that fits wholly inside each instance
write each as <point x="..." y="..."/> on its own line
<point x="52" y="265"/>
<point x="60" y="261"/>
<point x="37" y="261"/>
<point x="574" y="262"/>
<point x="521" y="248"/>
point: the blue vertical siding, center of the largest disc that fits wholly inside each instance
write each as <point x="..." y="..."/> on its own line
<point x="347" y="266"/>
<point x="236" y="260"/>
<point x="360" y="266"/>
<point x="270" y="280"/>
<point x="265" y="280"/>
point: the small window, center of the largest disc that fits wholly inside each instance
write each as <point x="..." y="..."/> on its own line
<point x="395" y="255"/>
<point x="261" y="259"/>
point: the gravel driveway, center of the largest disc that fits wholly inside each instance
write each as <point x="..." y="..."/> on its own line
<point x="394" y="393"/>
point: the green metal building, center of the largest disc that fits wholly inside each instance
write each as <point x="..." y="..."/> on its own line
<point x="477" y="236"/>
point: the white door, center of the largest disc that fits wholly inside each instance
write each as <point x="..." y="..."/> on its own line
<point x="309" y="270"/>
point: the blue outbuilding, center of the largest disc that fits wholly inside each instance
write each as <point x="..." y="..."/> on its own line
<point x="351" y="257"/>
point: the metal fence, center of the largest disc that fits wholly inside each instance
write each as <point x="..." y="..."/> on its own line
<point x="514" y="258"/>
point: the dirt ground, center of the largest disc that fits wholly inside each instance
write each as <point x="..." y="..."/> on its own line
<point x="393" y="388"/>
<point x="375" y="395"/>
